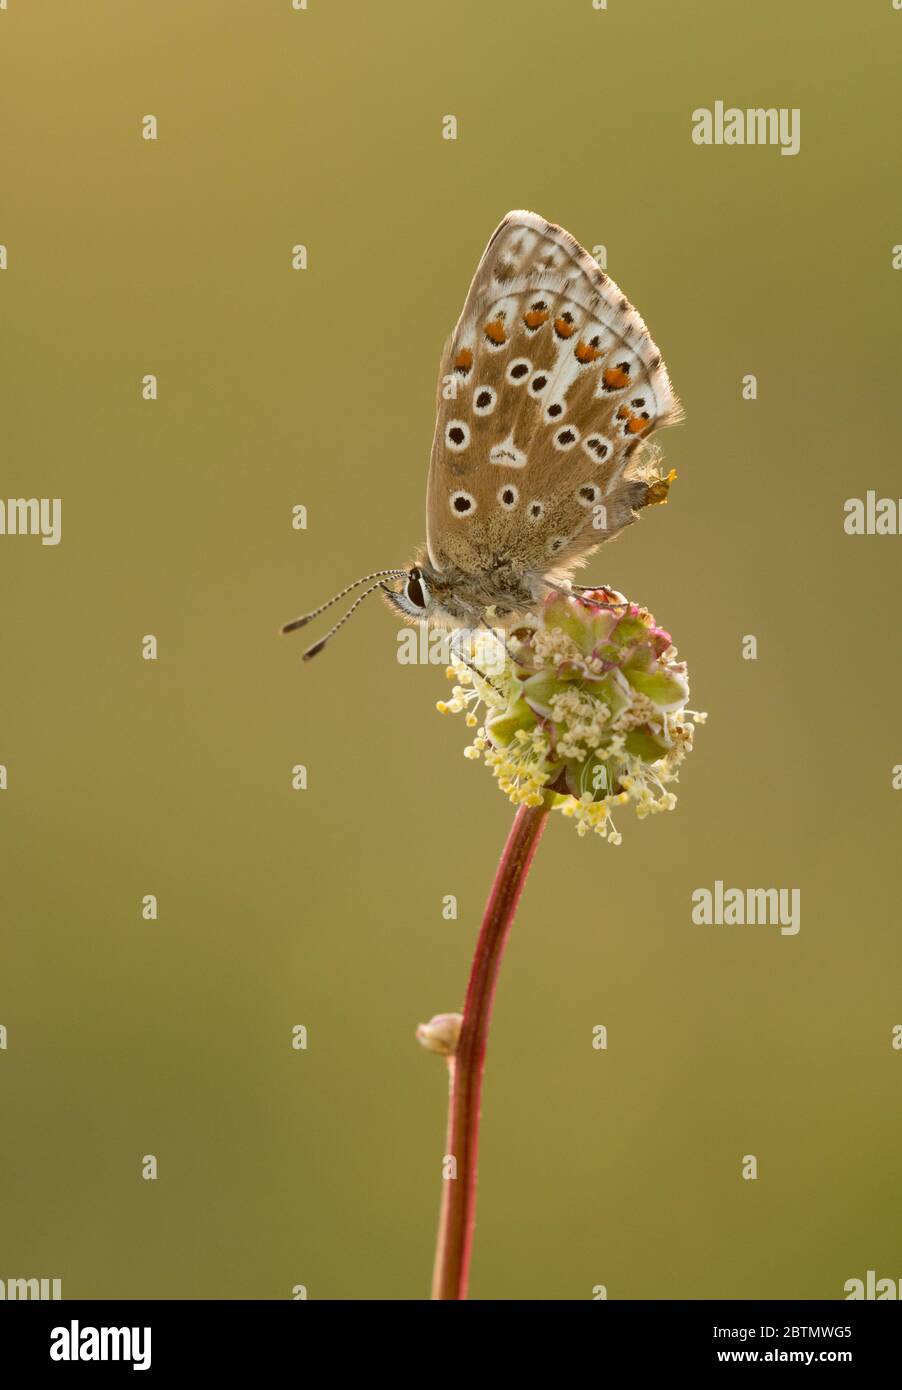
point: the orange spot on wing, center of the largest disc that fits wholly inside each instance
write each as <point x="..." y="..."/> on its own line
<point x="615" y="378"/>
<point x="494" y="331"/>
<point x="463" y="361"/>
<point x="564" y="329"/>
<point x="635" y="424"/>
<point x="585" y="352"/>
<point x="534" y="318"/>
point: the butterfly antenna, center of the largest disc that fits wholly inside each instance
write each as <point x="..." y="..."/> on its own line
<point x="318" y="646"/>
<point x="308" y="617"/>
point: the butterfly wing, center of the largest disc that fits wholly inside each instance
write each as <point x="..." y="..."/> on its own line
<point x="548" y="388"/>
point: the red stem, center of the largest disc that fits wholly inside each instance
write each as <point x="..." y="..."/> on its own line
<point x="458" y="1209"/>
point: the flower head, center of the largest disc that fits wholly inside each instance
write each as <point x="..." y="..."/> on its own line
<point x="586" y="701"/>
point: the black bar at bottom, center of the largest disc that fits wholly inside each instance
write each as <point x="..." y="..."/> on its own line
<point x="102" y="1338"/>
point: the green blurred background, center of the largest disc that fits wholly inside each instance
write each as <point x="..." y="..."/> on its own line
<point x="324" y="907"/>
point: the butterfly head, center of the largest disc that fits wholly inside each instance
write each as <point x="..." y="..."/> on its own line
<point x="457" y="597"/>
<point x="414" y="598"/>
<point x="428" y="595"/>
<point x="420" y="593"/>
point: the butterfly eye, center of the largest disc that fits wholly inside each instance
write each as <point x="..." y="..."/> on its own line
<point x="508" y="496"/>
<point x="416" y="589"/>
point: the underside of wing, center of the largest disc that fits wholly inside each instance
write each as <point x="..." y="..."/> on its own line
<point x="548" y="390"/>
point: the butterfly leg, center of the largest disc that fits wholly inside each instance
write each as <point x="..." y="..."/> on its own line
<point x="481" y="674"/>
<point x="577" y="590"/>
<point x="581" y="589"/>
<point x="471" y="666"/>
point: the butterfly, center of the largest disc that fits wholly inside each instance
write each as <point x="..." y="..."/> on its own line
<point x="548" y="391"/>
